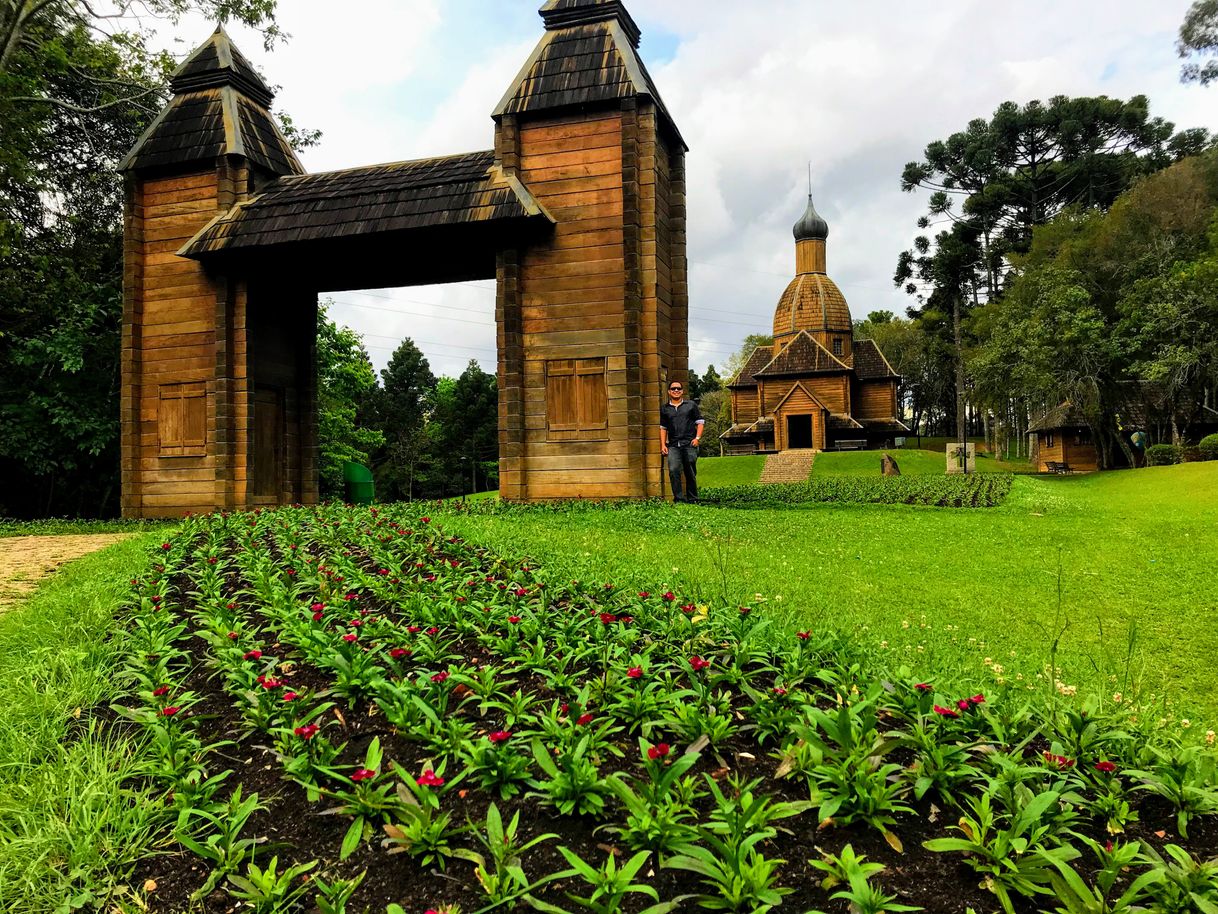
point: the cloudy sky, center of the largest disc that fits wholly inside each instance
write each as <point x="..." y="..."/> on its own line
<point x="758" y="89"/>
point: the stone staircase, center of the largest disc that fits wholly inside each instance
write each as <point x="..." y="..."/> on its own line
<point x="793" y="465"/>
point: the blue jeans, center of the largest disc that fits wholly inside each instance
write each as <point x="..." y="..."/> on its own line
<point x="683" y="461"/>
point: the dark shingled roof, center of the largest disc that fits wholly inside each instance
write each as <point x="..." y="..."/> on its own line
<point x="426" y="193"/>
<point x="586" y="57"/>
<point x="840" y="422"/>
<point x="869" y="362"/>
<point x="891" y="424"/>
<point x="757" y="360"/>
<point x="803" y="355"/>
<point x="220" y="107"/>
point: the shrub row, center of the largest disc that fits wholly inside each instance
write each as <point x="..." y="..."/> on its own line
<point x="973" y="491"/>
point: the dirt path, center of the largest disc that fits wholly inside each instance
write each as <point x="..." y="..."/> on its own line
<point x="26" y="560"/>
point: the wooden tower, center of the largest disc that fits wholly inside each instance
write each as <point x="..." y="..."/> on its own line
<point x="592" y="322"/>
<point x="578" y="213"/>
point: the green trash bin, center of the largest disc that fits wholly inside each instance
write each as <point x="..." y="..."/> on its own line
<point x="360" y="489"/>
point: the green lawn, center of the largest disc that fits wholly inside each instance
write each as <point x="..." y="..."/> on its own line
<point x="729" y="471"/>
<point x="946" y="588"/>
<point x="911" y="463"/>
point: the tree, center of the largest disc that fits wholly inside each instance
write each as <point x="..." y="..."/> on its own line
<point x="716" y="407"/>
<point x="1198" y="39"/>
<point x="346" y="385"/>
<point x="466" y="439"/>
<point x="751" y="342"/>
<point x="406" y="395"/>
<point x="711" y="380"/>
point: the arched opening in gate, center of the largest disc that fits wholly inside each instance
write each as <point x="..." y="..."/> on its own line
<point x="577" y="213"/>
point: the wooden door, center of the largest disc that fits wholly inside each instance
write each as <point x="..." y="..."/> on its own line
<point x="266" y="471"/>
<point x="799" y="431"/>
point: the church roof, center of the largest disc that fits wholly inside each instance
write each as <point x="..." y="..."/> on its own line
<point x="757" y="360"/>
<point x="869" y="361"/>
<point x="811" y="225"/>
<point x="220" y="107"/>
<point x="812" y="301"/>
<point x="803" y="355"/>
<point x="448" y="190"/>
<point x="588" y="56"/>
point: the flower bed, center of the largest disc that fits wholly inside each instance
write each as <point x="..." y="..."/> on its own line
<point x="353" y="710"/>
<point x="976" y="490"/>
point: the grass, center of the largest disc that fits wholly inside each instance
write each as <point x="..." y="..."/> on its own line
<point x="71" y="822"/>
<point x="911" y="463"/>
<point x="61" y="526"/>
<point x="945" y="589"/>
<point x="729" y="471"/>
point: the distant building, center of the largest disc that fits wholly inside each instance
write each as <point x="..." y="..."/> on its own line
<point x="817" y="386"/>
<point x="1062" y="437"/>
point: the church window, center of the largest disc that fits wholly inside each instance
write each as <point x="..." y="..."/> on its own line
<point x="837" y="345"/>
<point x="182" y="420"/>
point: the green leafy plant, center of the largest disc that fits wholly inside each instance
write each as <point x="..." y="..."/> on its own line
<point x="500" y="870"/>
<point x="221" y="844"/>
<point x="268" y="891"/>
<point x="1187" y="779"/>
<point x="572" y="782"/>
<point x="854" y="873"/>
<point x="1185" y="885"/>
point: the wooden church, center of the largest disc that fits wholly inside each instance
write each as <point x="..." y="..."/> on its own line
<point x="577" y="211"/>
<point x="816" y="387"/>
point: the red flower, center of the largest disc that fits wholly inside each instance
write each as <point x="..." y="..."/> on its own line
<point x="399" y="652"/>
<point x="668" y="596"/>
<point x="584" y="720"/>
<point x="514" y="619"/>
<point x="159" y="691"/>
<point x="1105" y="767"/>
<point x="608" y="618"/>
<point x="635" y="672"/>
<point x="253" y="655"/>
<point x="643" y="595"/>
<point x="688" y="608"/>
<point x="1059" y="760"/>
<point x="170" y="711"/>
<point x="413" y="629"/>
<point x="658" y="751"/>
<point x="698" y="663"/>
<point x="429" y="779"/>
<point x="946" y="712"/>
<point x="500" y="736"/>
<point x="356" y="623"/>
<point x="978" y="699"/>
<point x="363" y="774"/>
<point x="271" y="683"/>
<point x="963" y="704"/>
<point x="803" y="636"/>
<point x="232" y="636"/>
<point x="433" y="631"/>
<point x="779" y="690"/>
<point x="350" y="636"/>
<point x="317" y="617"/>
<point x="308" y="731"/>
<point x="166" y="546"/>
<point x="923" y="687"/>
<point x="440" y="676"/>
<point x="426" y="520"/>
<point x="290" y="696"/>
<point x="521" y="592"/>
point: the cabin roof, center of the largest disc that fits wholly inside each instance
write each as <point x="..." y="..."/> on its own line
<point x="220" y="107"/>
<point x="424" y="193"/>
<point x="588" y="56"/>
<point x="870" y="363"/>
<point x="803" y="355"/>
<point x="756" y="361"/>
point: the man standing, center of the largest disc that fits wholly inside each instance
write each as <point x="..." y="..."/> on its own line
<point x="680" y="434"/>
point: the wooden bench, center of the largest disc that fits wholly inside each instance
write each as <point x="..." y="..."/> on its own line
<point x="1058" y="467"/>
<point x="850" y="445"/>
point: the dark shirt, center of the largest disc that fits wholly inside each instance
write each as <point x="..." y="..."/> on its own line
<point x="681" y="422"/>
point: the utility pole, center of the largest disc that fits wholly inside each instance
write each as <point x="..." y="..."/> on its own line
<point x="961" y="423"/>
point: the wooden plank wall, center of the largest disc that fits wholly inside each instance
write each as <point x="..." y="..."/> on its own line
<point x="832" y="390"/>
<point x="876" y="400"/>
<point x="604" y="286"/>
<point x="744" y="406"/>
<point x="169" y="338"/>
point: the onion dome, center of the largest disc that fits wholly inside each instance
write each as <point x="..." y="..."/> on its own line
<point x="811" y="225"/>
<point x="812" y="302"/>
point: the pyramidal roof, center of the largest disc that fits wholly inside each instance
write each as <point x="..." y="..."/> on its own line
<point x="220" y="106"/>
<point x="588" y="56"/>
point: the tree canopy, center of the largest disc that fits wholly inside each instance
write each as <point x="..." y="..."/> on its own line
<point x="1199" y="41"/>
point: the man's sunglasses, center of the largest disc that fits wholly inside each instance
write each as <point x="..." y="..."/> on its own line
<point x="676" y="388"/>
